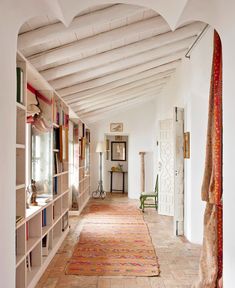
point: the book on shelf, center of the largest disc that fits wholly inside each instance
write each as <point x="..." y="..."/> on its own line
<point x="45" y="245"/>
<point x="29" y="261"/>
<point x="56" y="138"/>
<point x="44" y="217"/>
<point x="19" y="85"/>
<point x="55" y="187"/>
<point x="56" y="164"/>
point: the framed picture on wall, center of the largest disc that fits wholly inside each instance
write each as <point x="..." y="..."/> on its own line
<point x="118" y="151"/>
<point x="116" y="127"/>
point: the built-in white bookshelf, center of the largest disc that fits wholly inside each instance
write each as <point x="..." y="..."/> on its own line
<point x="42" y="228"/>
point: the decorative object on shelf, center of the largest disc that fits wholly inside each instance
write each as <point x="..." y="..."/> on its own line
<point x="100" y="190"/>
<point x="33" y="188"/>
<point x="187" y="145"/>
<point x="119" y="168"/>
<point x="118" y="151"/>
<point x="28" y="197"/>
<point x="116" y="127"/>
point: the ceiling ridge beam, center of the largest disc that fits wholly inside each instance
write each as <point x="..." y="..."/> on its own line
<point x="88" y="94"/>
<point x="118" y="90"/>
<point x="164" y="64"/>
<point x="156" y="25"/>
<point x="122" y="52"/>
<point x="50" y="32"/>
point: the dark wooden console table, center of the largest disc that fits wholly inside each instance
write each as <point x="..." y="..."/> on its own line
<point x="123" y="181"/>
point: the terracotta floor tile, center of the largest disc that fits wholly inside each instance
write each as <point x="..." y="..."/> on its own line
<point x="177" y="257"/>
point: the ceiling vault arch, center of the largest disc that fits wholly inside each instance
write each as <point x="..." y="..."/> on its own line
<point x="108" y="51"/>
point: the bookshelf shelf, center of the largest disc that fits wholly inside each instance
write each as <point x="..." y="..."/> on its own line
<point x="20" y="106"/>
<point x="31" y="243"/>
<point x="20" y="146"/>
<point x="45" y="230"/>
<point x="61" y="173"/>
<point x="19" y="259"/>
<point x="20" y="186"/>
<point x="32" y="211"/>
<point x="56" y="125"/>
<point x="18" y="225"/>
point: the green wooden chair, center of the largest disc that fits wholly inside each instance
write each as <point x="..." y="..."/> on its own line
<point x="149" y="195"/>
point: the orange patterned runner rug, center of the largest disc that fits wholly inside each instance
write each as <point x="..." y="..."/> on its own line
<point x="114" y="241"/>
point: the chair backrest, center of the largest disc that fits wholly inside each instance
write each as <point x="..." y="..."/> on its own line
<point x="156" y="185"/>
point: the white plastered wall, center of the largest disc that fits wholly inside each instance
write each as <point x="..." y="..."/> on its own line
<point x="219" y="14"/>
<point x="189" y="89"/>
<point x="140" y="138"/>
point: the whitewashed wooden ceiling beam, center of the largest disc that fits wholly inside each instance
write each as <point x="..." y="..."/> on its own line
<point x="110" y="111"/>
<point x="161" y="65"/>
<point x="122" y="52"/>
<point x="116" y="91"/>
<point x="155" y="26"/>
<point x="122" y="96"/>
<point x="87" y="94"/>
<point x="147" y="94"/>
<point x="97" y="18"/>
<point x="120" y="65"/>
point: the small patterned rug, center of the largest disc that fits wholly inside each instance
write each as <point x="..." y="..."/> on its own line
<point x="114" y="241"/>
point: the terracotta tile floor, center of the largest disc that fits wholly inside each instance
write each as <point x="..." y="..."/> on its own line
<point x="178" y="259"/>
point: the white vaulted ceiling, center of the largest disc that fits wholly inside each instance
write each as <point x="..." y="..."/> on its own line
<point x="109" y="58"/>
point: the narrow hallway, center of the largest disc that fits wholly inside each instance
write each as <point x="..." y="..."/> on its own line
<point x="178" y="259"/>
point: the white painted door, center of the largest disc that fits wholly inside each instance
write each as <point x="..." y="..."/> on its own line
<point x="178" y="132"/>
<point x="166" y="168"/>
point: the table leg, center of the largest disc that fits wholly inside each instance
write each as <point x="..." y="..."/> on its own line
<point x="123" y="182"/>
<point x="111" y="182"/>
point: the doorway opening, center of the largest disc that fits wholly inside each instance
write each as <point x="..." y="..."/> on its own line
<point x="116" y="164"/>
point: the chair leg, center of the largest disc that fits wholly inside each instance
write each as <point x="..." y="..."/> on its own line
<point x="156" y="203"/>
<point x="143" y="204"/>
